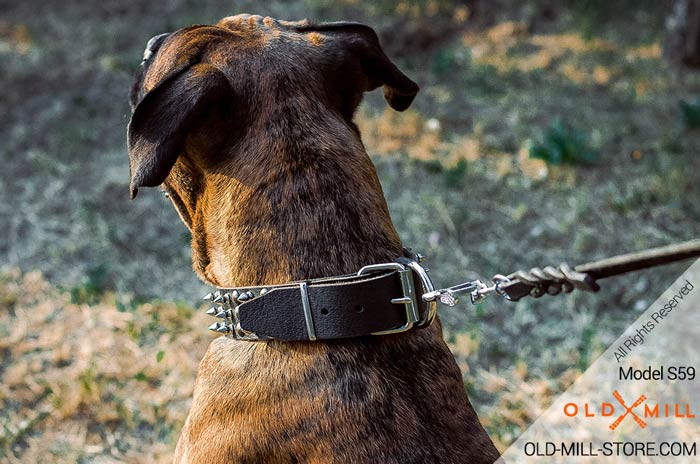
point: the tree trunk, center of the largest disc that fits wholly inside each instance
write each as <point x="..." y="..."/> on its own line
<point x="682" y="45"/>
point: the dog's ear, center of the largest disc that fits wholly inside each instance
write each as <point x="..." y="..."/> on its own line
<point x="152" y="47"/>
<point x="363" y="43"/>
<point x="162" y="119"/>
<point x="399" y="90"/>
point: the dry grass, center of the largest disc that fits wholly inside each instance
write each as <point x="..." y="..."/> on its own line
<point x="509" y="47"/>
<point x="81" y="382"/>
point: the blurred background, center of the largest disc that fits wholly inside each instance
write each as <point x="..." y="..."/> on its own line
<point x="545" y="131"/>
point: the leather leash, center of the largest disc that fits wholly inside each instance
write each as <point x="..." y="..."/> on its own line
<point x="390" y="298"/>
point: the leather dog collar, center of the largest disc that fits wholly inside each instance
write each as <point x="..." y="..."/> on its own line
<point x="380" y="299"/>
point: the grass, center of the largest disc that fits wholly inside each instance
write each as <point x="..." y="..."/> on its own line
<point x="690" y="110"/>
<point x="75" y="387"/>
<point x="103" y="368"/>
<point x="563" y="143"/>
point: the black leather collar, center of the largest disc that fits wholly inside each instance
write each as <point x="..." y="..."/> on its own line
<point x="380" y="299"/>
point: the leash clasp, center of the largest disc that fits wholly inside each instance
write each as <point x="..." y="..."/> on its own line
<point x="450" y="296"/>
<point x="477" y="290"/>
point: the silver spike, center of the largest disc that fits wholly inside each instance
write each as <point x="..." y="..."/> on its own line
<point x="219" y="299"/>
<point x="250" y="294"/>
<point x="219" y="327"/>
<point x="263" y="291"/>
<point x="223" y="314"/>
<point x="208" y="297"/>
<point x="223" y="328"/>
<point x="235" y="294"/>
<point x="243" y="297"/>
<point x="212" y="311"/>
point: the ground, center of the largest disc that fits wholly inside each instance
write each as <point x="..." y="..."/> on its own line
<point x="101" y="328"/>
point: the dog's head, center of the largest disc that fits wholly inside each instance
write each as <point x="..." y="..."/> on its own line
<point x="219" y="110"/>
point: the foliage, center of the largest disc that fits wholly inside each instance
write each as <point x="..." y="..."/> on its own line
<point x="564" y="143"/>
<point x="592" y="16"/>
<point x="91" y="286"/>
<point x="690" y="110"/>
<point x="74" y="386"/>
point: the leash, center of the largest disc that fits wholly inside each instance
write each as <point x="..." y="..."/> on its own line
<point x="550" y="280"/>
<point x="390" y="298"/>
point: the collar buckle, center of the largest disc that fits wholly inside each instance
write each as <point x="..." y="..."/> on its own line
<point x="409" y="297"/>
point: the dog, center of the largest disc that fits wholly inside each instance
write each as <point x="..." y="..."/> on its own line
<point x="248" y="127"/>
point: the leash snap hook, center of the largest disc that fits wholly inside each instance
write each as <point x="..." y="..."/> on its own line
<point x="482" y="293"/>
<point x="450" y="296"/>
<point x="477" y="290"/>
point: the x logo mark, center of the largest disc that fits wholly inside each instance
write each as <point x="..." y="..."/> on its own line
<point x="628" y="410"/>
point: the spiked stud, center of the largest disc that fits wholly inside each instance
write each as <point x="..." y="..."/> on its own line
<point x="243" y="297"/>
<point x="263" y="291"/>
<point x="219" y="327"/>
<point x="235" y="294"/>
<point x="219" y="299"/>
<point x="208" y="297"/>
<point x="212" y="311"/>
<point x="223" y="328"/>
<point x="250" y="294"/>
<point x="223" y="314"/>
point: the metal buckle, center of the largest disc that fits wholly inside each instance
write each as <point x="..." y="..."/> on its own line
<point x="427" y="285"/>
<point x="409" y="294"/>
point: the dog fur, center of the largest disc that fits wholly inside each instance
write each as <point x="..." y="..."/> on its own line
<point x="247" y="125"/>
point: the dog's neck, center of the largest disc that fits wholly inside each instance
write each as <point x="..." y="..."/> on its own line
<point x="306" y="213"/>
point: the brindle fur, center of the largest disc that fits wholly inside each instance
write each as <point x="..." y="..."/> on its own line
<point x="248" y="127"/>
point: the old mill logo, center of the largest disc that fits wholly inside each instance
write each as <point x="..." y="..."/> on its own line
<point x="628" y="410"/>
<point x="639" y="410"/>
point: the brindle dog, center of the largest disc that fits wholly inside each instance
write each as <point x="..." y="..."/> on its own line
<point x="247" y="125"/>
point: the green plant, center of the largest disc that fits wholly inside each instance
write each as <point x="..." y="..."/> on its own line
<point x="563" y="143"/>
<point x="454" y="176"/>
<point x="91" y="287"/>
<point x="444" y="61"/>
<point x="587" y="14"/>
<point x="690" y="109"/>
